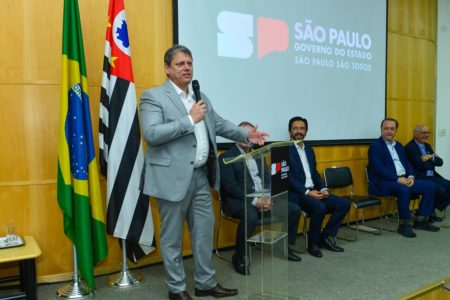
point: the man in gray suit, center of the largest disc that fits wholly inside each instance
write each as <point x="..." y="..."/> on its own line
<point x="180" y="169"/>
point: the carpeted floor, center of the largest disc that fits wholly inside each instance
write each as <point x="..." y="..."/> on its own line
<point x="374" y="267"/>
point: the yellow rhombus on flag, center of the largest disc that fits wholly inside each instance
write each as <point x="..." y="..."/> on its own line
<point x="78" y="180"/>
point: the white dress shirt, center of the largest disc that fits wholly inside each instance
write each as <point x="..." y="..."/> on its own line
<point x="309" y="184"/>
<point x="399" y="168"/>
<point x="253" y="170"/>
<point x="200" y="131"/>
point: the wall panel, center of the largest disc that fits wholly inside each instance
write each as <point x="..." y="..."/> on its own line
<point x="411" y="76"/>
<point x="416" y="18"/>
<point x="410" y="113"/>
<point x="29" y="114"/>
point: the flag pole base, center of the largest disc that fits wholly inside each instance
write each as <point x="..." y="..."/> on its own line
<point x="125" y="279"/>
<point x="73" y="290"/>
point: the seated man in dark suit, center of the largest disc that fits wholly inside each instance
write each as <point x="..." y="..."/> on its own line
<point x="307" y="189"/>
<point x="424" y="160"/>
<point x="391" y="174"/>
<point x="233" y="201"/>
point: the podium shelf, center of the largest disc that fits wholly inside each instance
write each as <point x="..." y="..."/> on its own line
<point x="267" y="237"/>
<point x="260" y="194"/>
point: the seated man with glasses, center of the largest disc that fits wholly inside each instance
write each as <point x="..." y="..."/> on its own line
<point x="424" y="160"/>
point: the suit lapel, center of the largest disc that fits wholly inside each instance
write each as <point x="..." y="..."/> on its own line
<point x="309" y="158"/>
<point x="237" y="152"/>
<point x="418" y="149"/>
<point x="385" y="148"/>
<point x="299" y="161"/>
<point x="401" y="155"/>
<point x="172" y="94"/>
<point x="209" y="127"/>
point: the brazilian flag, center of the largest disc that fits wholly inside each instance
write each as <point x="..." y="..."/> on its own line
<point x="78" y="180"/>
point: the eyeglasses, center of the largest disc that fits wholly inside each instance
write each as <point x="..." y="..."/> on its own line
<point x="425" y="132"/>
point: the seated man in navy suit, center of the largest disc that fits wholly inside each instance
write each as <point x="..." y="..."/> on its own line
<point x="233" y="200"/>
<point x="391" y="174"/>
<point x="307" y="190"/>
<point x="424" y="160"/>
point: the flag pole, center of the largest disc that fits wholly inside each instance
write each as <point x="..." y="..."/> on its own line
<point x="125" y="278"/>
<point x="77" y="289"/>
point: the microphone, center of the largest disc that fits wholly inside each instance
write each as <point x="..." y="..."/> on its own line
<point x="196" y="88"/>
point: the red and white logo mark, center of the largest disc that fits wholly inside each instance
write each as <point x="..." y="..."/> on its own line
<point x="236" y="32"/>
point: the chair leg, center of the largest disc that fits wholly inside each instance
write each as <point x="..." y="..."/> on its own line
<point x="398" y="220"/>
<point x="414" y="201"/>
<point x="366" y="227"/>
<point x="387" y="217"/>
<point x="218" y="238"/>
<point x="248" y="252"/>
<point x="443" y="218"/>
<point x="348" y="220"/>
<point x="305" y="229"/>
<point x="351" y="226"/>
<point x="381" y="219"/>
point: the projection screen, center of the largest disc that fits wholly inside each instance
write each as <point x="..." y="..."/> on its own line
<point x="266" y="61"/>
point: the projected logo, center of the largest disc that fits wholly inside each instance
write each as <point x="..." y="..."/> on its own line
<point x="236" y="33"/>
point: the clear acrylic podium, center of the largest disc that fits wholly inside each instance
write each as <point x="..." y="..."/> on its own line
<point x="267" y="246"/>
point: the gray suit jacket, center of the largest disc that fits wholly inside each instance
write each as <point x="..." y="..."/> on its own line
<point x="171" y="143"/>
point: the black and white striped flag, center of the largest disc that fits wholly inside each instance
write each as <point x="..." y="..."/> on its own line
<point x="128" y="214"/>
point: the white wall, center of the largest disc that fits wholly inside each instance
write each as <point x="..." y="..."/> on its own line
<point x="442" y="134"/>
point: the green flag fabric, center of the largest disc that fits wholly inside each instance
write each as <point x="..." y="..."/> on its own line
<point x="78" y="189"/>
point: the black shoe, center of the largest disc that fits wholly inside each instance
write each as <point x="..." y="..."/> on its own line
<point x="434" y="218"/>
<point x="180" y="296"/>
<point x="424" y="225"/>
<point x="217" y="292"/>
<point x="292" y="256"/>
<point x="314" y="250"/>
<point x="406" y="230"/>
<point x="239" y="264"/>
<point x="330" y="244"/>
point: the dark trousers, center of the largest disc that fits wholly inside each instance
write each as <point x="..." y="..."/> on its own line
<point x="317" y="209"/>
<point x="442" y="199"/>
<point x="253" y="216"/>
<point x="403" y="194"/>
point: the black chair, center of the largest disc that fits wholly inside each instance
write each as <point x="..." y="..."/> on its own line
<point x="341" y="177"/>
<point x="393" y="217"/>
